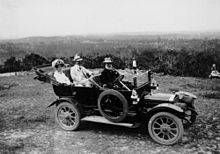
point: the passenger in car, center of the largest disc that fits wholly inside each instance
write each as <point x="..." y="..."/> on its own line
<point x="109" y="74"/>
<point x="80" y="74"/>
<point x="58" y="65"/>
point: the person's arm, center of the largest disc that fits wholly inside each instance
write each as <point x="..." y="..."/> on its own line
<point x="62" y="79"/>
<point x="87" y="71"/>
<point x="74" y="75"/>
<point x="57" y="77"/>
<point x="67" y="80"/>
<point x="103" y="77"/>
<point x="115" y="73"/>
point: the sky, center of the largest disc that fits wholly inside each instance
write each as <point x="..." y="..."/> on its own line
<point x="23" y="18"/>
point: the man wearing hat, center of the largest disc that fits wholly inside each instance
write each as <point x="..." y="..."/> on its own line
<point x="80" y="74"/>
<point x="58" y="65"/>
<point x="109" y="74"/>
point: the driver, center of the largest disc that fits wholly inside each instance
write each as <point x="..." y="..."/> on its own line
<point x="80" y="74"/>
<point x="109" y="74"/>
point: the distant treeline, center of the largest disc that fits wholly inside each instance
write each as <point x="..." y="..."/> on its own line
<point x="174" y="55"/>
<point x="180" y="63"/>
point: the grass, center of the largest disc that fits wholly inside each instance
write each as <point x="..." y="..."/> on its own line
<point x="27" y="101"/>
<point x="23" y="105"/>
<point x="212" y="95"/>
<point x="7" y="86"/>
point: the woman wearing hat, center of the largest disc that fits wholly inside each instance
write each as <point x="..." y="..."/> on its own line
<point x="80" y="74"/>
<point x="109" y="74"/>
<point x="58" y="65"/>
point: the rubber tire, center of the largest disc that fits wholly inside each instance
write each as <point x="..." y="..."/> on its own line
<point x="75" y="109"/>
<point x="120" y="97"/>
<point x="171" y="116"/>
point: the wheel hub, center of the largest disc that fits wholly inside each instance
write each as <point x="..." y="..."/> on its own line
<point x="65" y="114"/>
<point x="165" y="128"/>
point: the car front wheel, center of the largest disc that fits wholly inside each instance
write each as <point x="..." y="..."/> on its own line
<point x="165" y="128"/>
<point x="67" y="115"/>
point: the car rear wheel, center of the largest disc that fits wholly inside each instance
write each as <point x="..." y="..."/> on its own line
<point x="165" y="128"/>
<point x="113" y="105"/>
<point x="67" y="115"/>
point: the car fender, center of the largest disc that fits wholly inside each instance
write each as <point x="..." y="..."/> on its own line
<point x="186" y="97"/>
<point x="171" y="108"/>
<point x="181" y="94"/>
<point x="64" y="99"/>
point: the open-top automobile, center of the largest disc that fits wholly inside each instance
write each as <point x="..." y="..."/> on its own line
<point x="165" y="115"/>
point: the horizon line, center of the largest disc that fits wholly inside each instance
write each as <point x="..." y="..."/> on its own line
<point x="115" y="33"/>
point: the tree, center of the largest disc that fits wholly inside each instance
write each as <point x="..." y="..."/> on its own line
<point x="32" y="60"/>
<point x="11" y="65"/>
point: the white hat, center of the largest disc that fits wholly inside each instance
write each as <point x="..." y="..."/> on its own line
<point x="77" y="58"/>
<point x="57" y="62"/>
<point x="107" y="60"/>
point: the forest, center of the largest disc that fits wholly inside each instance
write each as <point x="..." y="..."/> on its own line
<point x="176" y="55"/>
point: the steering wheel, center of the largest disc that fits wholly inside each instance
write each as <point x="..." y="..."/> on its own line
<point x="118" y="78"/>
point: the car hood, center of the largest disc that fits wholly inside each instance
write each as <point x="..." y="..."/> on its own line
<point x="160" y="97"/>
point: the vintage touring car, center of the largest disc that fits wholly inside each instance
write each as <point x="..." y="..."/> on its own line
<point x="165" y="115"/>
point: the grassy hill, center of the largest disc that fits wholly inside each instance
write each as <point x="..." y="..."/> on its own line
<point x="121" y="45"/>
<point x="27" y="125"/>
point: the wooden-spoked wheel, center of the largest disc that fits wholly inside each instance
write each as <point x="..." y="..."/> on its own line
<point x="113" y="105"/>
<point x="67" y="115"/>
<point x="165" y="128"/>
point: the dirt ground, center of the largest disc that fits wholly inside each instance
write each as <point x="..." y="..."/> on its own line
<point x="28" y="126"/>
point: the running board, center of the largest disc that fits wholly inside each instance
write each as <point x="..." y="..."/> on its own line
<point x="100" y="119"/>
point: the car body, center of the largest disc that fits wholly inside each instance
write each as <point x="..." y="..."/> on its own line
<point x="165" y="115"/>
<point x="214" y="74"/>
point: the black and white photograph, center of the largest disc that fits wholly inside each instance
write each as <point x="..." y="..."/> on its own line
<point x="109" y="76"/>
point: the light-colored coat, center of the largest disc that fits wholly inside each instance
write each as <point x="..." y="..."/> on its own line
<point x="61" y="77"/>
<point x="79" y="75"/>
